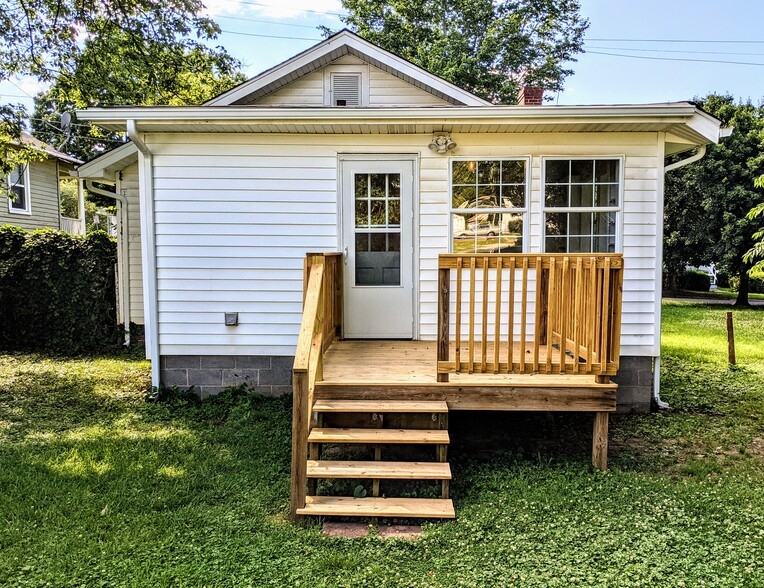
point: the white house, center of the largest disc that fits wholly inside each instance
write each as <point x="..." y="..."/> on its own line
<point x="348" y="148"/>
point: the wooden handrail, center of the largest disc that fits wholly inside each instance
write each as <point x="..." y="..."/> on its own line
<point x="557" y="314"/>
<point x="321" y="324"/>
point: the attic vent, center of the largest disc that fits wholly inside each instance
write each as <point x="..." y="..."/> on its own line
<point x="346" y="89"/>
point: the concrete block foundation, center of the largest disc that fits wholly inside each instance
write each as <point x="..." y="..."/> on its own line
<point x="635" y="384"/>
<point x="211" y="374"/>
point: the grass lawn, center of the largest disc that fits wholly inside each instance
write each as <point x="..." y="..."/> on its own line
<point x="100" y="488"/>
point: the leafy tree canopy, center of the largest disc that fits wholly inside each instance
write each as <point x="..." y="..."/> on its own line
<point x="489" y="48"/>
<point x="707" y="202"/>
<point x="97" y="53"/>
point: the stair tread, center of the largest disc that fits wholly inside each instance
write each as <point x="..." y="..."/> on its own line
<point x="391" y="470"/>
<point x="405" y="436"/>
<point x="441" y="508"/>
<point x="403" y="406"/>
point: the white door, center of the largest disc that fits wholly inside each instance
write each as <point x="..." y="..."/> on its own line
<point x="377" y="234"/>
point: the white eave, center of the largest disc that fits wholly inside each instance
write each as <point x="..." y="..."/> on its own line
<point x="338" y="45"/>
<point x="106" y="165"/>
<point x="683" y="121"/>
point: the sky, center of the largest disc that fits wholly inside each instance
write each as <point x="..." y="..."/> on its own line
<point x="637" y="51"/>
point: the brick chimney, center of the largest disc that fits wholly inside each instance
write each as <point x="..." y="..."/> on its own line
<point x="530" y="96"/>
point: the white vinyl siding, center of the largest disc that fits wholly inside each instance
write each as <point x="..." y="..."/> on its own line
<point x="129" y="187"/>
<point x="42" y="195"/>
<point x="235" y="214"/>
<point x="384" y="90"/>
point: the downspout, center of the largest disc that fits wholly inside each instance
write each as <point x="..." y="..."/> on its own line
<point x="124" y="278"/>
<point x="148" y="248"/>
<point x="659" y="282"/>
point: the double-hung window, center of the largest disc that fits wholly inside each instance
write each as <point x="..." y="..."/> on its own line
<point x="489" y="204"/>
<point x="18" y="190"/>
<point x="582" y="200"/>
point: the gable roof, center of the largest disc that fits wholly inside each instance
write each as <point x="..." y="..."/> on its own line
<point x="343" y="43"/>
<point x="35" y="143"/>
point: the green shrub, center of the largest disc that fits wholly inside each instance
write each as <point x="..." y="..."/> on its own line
<point x="755" y="283"/>
<point x="695" y="280"/>
<point x="57" y="292"/>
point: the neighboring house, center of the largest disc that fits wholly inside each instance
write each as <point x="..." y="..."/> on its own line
<point x="347" y="148"/>
<point x="34" y="201"/>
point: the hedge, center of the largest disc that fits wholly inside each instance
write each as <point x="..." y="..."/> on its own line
<point x="57" y="291"/>
<point x="695" y="281"/>
<point x="755" y="283"/>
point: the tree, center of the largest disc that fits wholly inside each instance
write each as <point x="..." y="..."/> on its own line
<point x="109" y="71"/>
<point x="46" y="38"/>
<point x="756" y="253"/>
<point x="707" y="203"/>
<point x="490" y="48"/>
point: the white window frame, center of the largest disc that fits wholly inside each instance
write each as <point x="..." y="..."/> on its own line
<point x="359" y="70"/>
<point x="617" y="210"/>
<point x="27" y="196"/>
<point x="525" y="211"/>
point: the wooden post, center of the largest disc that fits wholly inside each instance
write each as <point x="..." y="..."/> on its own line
<point x="299" y="443"/>
<point x="599" y="441"/>
<point x="730" y="339"/>
<point x="444" y="287"/>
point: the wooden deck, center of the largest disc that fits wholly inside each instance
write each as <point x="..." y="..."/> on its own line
<point x="380" y="395"/>
<point x="390" y="370"/>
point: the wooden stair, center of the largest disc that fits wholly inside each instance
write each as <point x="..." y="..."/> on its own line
<point x="434" y="413"/>
<point x="345" y="506"/>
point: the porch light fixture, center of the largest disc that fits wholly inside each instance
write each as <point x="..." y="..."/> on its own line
<point x="442" y="143"/>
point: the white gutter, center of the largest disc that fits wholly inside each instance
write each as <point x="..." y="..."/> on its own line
<point x="659" y="270"/>
<point x="451" y="114"/>
<point x="148" y="248"/>
<point x="124" y="272"/>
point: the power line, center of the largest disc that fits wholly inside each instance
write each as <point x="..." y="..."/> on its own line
<point x="288" y="8"/>
<point x="758" y="42"/>
<point x="19" y="87"/>
<point x="271" y="36"/>
<point x="271" y="22"/>
<point x="673" y="58"/>
<point x="675" y="51"/>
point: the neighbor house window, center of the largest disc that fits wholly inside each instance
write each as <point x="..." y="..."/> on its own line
<point x="18" y="190"/>
<point x="488" y="205"/>
<point x="582" y="199"/>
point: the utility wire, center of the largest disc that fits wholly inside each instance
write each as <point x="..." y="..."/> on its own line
<point x="288" y="8"/>
<point x="674" y="51"/>
<point x="271" y="36"/>
<point x="271" y="22"/>
<point x="674" y="58"/>
<point x="738" y="41"/>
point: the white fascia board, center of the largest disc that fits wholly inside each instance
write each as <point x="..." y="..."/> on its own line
<point x="345" y="38"/>
<point x="115" y="159"/>
<point x="447" y="114"/>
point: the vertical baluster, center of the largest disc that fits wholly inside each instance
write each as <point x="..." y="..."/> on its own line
<point x="551" y="314"/>
<point x="511" y="316"/>
<point x="523" y="314"/>
<point x="458" y="352"/>
<point x="579" y="302"/>
<point x="497" y="318"/>
<point x="605" y="342"/>
<point x="539" y="313"/>
<point x="591" y="318"/>
<point x="565" y="303"/>
<point x="471" y="362"/>
<point x="615" y="330"/>
<point x="484" y="324"/>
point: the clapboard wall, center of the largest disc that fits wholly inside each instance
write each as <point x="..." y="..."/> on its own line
<point x="236" y="213"/>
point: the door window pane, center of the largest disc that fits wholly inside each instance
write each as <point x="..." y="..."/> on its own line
<point x="379" y="262"/>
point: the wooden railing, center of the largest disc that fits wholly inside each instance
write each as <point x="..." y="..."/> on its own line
<point x="73" y="226"/>
<point x="321" y="324"/>
<point x="529" y="313"/>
